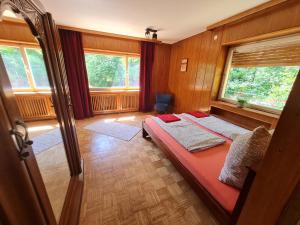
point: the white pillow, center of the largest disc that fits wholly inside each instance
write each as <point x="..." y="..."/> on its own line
<point x="247" y="150"/>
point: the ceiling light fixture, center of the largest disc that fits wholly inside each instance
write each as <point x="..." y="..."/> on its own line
<point x="148" y="33"/>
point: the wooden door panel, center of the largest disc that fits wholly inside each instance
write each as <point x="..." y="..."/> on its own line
<point x="19" y="202"/>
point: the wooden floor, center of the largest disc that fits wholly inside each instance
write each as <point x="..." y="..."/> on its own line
<point x="132" y="183"/>
<point x="53" y="166"/>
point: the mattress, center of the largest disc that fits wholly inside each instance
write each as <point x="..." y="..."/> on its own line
<point x="204" y="165"/>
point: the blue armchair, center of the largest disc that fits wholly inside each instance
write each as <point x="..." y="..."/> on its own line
<point x="163" y="102"/>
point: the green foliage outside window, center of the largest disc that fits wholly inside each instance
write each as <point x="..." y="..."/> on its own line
<point x="263" y="86"/>
<point x="134" y="71"/>
<point x="37" y="66"/>
<point x="14" y="65"/>
<point x="105" y="70"/>
<point x="109" y="71"/>
<point x="16" y="69"/>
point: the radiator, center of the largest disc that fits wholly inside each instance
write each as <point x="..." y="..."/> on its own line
<point x="113" y="102"/>
<point x="130" y="102"/>
<point x="104" y="103"/>
<point x="35" y="106"/>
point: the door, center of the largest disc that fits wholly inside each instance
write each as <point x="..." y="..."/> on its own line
<point x="23" y="195"/>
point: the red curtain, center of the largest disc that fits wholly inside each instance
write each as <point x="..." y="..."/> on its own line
<point x="76" y="73"/>
<point x="147" y="57"/>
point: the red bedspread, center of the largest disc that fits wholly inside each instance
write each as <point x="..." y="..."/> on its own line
<point x="204" y="165"/>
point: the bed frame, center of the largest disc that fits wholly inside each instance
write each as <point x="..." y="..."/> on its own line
<point x="223" y="216"/>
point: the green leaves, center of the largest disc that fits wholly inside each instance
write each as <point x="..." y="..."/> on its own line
<point x="105" y="70"/>
<point x="37" y="67"/>
<point x="14" y="65"/>
<point x="264" y="86"/>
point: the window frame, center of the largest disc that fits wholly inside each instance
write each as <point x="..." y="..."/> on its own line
<point x="29" y="74"/>
<point x="115" y="53"/>
<point x="224" y="84"/>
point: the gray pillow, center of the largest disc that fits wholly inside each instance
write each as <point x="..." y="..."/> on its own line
<point x="246" y="150"/>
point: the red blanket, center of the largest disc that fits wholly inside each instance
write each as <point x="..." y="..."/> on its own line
<point x="198" y="114"/>
<point x="168" y="118"/>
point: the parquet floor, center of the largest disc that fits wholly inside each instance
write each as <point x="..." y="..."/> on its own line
<point x="132" y="183"/>
<point x="53" y="166"/>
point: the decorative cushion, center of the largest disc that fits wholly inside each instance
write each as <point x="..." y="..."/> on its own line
<point x="168" y="118"/>
<point x="198" y="114"/>
<point x="246" y="151"/>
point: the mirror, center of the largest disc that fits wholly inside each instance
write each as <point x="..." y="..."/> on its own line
<point x="23" y="59"/>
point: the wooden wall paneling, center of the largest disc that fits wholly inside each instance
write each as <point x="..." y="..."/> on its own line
<point x="160" y="72"/>
<point x="173" y="80"/>
<point x="220" y="65"/>
<point x="209" y="65"/>
<point x="15" y="32"/>
<point x="279" y="173"/>
<point x="215" y="50"/>
<point x="201" y="70"/>
<point x="274" y="19"/>
<point x="91" y="41"/>
<point x="192" y="89"/>
<point x="240" y="16"/>
<point x="182" y="84"/>
<point x="186" y="85"/>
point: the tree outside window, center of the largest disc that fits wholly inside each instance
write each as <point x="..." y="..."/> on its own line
<point x="112" y="71"/>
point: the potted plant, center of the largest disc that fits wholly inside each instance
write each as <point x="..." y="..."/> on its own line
<point x="242" y="102"/>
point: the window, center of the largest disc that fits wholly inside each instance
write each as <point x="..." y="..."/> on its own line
<point x="15" y="68"/>
<point x="25" y="67"/>
<point x="112" y="71"/>
<point x="134" y="71"/>
<point x="262" y="73"/>
<point x="37" y="68"/>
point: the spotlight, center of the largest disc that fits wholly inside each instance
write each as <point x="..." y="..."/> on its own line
<point x="147" y="33"/>
<point x="154" y="35"/>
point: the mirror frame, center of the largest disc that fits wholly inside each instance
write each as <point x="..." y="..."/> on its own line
<point x="45" y="31"/>
<point x="43" y="28"/>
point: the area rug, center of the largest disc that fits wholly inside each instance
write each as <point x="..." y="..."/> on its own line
<point x="118" y="130"/>
<point x="45" y="141"/>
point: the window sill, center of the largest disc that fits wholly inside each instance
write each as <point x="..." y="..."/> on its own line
<point x="113" y="90"/>
<point x="247" y="112"/>
<point x="32" y="92"/>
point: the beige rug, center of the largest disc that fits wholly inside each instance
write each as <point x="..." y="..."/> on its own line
<point x="118" y="130"/>
<point x="45" y="141"/>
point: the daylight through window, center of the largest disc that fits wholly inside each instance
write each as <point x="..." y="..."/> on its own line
<point x="262" y="74"/>
<point x="25" y="67"/>
<point x="113" y="71"/>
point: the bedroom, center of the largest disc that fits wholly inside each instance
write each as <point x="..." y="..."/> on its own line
<point x="238" y="65"/>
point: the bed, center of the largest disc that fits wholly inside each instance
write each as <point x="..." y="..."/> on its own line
<point x="201" y="170"/>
